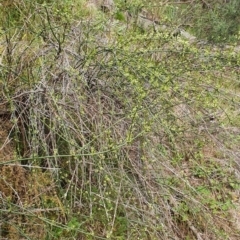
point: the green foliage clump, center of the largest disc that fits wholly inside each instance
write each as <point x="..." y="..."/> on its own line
<point x="220" y="22"/>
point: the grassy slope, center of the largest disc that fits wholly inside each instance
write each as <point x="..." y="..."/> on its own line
<point x="122" y="133"/>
